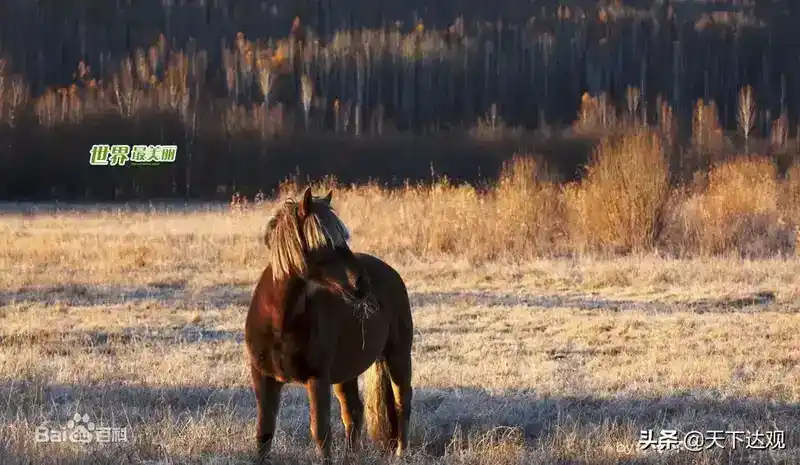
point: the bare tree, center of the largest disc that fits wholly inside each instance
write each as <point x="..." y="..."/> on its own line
<point x="746" y="115"/>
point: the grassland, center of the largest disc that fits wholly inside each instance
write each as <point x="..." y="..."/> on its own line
<point x="533" y="346"/>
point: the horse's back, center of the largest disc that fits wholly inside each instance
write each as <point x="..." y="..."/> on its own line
<point x="384" y="277"/>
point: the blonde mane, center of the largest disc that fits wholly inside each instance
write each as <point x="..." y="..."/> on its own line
<point x="322" y="229"/>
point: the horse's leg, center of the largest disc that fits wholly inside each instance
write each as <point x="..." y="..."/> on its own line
<point x="352" y="410"/>
<point x="399" y="365"/>
<point x="319" y="399"/>
<point x="268" y="394"/>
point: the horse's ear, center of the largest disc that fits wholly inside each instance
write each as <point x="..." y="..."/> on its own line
<point x="328" y="197"/>
<point x="305" y="204"/>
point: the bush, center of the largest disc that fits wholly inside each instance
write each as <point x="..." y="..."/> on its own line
<point x="530" y="212"/>
<point x="735" y="210"/>
<point x="618" y="205"/>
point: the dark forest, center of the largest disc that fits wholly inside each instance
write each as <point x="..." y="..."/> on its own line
<point x="255" y="92"/>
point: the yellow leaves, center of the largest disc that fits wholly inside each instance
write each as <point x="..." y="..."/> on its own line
<point x="602" y="15"/>
<point x="280" y="54"/>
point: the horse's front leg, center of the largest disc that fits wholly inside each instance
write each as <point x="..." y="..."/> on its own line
<point x="319" y="399"/>
<point x="352" y="411"/>
<point x="268" y="393"/>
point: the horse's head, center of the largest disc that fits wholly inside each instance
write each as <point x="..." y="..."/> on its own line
<point x="308" y="240"/>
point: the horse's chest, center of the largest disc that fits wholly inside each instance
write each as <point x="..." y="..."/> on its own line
<point x="293" y="352"/>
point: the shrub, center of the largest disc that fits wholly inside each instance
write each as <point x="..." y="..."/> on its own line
<point x="618" y="205"/>
<point x="735" y="210"/>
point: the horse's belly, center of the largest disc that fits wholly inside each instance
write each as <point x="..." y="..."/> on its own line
<point x="356" y="352"/>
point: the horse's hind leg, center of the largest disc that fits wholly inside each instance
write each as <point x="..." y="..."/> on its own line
<point x="352" y="410"/>
<point x="399" y="365"/>
<point x="268" y="393"/>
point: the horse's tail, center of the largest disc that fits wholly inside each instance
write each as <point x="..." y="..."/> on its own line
<point x="381" y="411"/>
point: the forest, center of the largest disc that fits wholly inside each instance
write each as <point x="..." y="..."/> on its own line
<point x="255" y="92"/>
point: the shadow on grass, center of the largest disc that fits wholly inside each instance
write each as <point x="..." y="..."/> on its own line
<point x="154" y="414"/>
<point x="70" y="342"/>
<point x="582" y="301"/>
<point x="31" y="209"/>
<point x="175" y="294"/>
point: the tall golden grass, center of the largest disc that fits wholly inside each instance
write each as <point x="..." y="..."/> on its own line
<point x="625" y="204"/>
<point x="619" y="203"/>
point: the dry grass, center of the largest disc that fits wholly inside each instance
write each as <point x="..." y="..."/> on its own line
<point x="136" y="319"/>
<point x="738" y="208"/>
<point x="619" y="203"/>
<point x="790" y="195"/>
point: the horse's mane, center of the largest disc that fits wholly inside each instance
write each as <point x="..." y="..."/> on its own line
<point x="322" y="229"/>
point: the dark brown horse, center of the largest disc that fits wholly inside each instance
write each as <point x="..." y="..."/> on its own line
<point x="320" y="316"/>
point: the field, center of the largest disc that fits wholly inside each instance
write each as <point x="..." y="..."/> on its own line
<point x="595" y="207"/>
<point x="135" y="317"/>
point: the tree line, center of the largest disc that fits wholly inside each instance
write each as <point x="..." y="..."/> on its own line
<point x="253" y="91"/>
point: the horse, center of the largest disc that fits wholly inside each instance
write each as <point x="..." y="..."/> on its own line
<point x="322" y="315"/>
